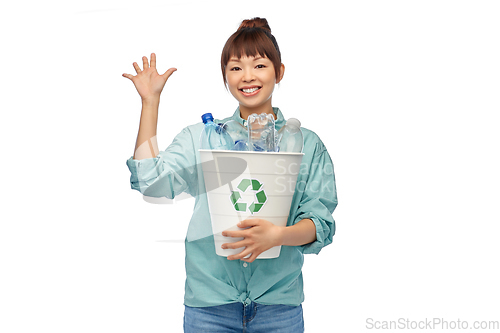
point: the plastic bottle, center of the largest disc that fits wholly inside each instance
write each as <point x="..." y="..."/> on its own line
<point x="290" y="138"/>
<point x="238" y="133"/>
<point x="213" y="136"/>
<point x="261" y="132"/>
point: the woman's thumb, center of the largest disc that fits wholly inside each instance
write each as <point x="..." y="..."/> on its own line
<point x="169" y="72"/>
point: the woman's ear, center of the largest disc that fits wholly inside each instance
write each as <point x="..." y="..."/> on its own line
<point x="282" y="72"/>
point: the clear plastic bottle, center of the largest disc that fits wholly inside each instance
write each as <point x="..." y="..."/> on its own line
<point x="238" y="133"/>
<point x="213" y="136"/>
<point x="290" y="138"/>
<point x="261" y="132"/>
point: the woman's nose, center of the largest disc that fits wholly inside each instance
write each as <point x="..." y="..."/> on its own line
<point x="248" y="76"/>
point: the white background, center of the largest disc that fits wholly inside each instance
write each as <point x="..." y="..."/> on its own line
<point x="405" y="95"/>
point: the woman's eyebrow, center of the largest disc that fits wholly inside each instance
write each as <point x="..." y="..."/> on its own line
<point x="257" y="58"/>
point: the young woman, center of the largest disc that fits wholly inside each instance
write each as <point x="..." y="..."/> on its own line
<point x="238" y="293"/>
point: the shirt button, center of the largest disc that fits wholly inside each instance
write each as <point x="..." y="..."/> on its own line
<point x="245" y="264"/>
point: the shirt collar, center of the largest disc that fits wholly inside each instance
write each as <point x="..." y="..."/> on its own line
<point x="278" y="123"/>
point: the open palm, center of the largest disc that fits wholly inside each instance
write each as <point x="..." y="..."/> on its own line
<point x="148" y="82"/>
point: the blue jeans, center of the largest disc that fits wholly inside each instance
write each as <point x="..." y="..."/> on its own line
<point x="238" y="317"/>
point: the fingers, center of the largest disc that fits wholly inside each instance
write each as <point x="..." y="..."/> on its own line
<point x="169" y="72"/>
<point x="236" y="244"/>
<point x="243" y="227"/>
<point x="250" y="222"/>
<point x="248" y="250"/>
<point x="240" y="255"/>
<point x="245" y="253"/>
<point x="137" y="68"/>
<point x="251" y="259"/>
<point x="234" y="233"/>
<point x="146" y="66"/>
<point x="145" y="63"/>
<point x="153" y="60"/>
<point x="128" y="76"/>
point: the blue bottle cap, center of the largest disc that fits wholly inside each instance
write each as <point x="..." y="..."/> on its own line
<point x="206" y="117"/>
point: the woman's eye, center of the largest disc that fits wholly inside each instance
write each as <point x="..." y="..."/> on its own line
<point x="235" y="69"/>
<point x="261" y="66"/>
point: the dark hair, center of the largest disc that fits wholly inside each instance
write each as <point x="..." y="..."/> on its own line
<point x="253" y="38"/>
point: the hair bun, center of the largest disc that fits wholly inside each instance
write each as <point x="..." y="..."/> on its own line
<point x="256" y="22"/>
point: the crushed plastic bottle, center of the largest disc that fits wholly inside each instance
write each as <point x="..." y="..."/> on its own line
<point x="213" y="136"/>
<point x="238" y="133"/>
<point x="261" y="132"/>
<point x="290" y="137"/>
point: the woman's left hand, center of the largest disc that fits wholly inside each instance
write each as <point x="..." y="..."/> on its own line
<point x="260" y="236"/>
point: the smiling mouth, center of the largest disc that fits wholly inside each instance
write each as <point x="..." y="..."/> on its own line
<point x="250" y="90"/>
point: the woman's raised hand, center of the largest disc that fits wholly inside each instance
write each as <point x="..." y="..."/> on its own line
<point x="148" y="82"/>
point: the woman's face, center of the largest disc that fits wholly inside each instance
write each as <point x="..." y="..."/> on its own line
<point x="251" y="81"/>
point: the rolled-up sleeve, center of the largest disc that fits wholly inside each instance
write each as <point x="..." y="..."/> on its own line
<point x="170" y="173"/>
<point x="319" y="199"/>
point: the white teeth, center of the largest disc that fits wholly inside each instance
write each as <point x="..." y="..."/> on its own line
<point x="249" y="91"/>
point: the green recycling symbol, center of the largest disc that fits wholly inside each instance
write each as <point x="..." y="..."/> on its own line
<point x="260" y="195"/>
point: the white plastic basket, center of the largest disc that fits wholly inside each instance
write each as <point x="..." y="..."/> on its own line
<point x="245" y="184"/>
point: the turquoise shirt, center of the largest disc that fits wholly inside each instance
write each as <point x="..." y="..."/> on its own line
<point x="214" y="280"/>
